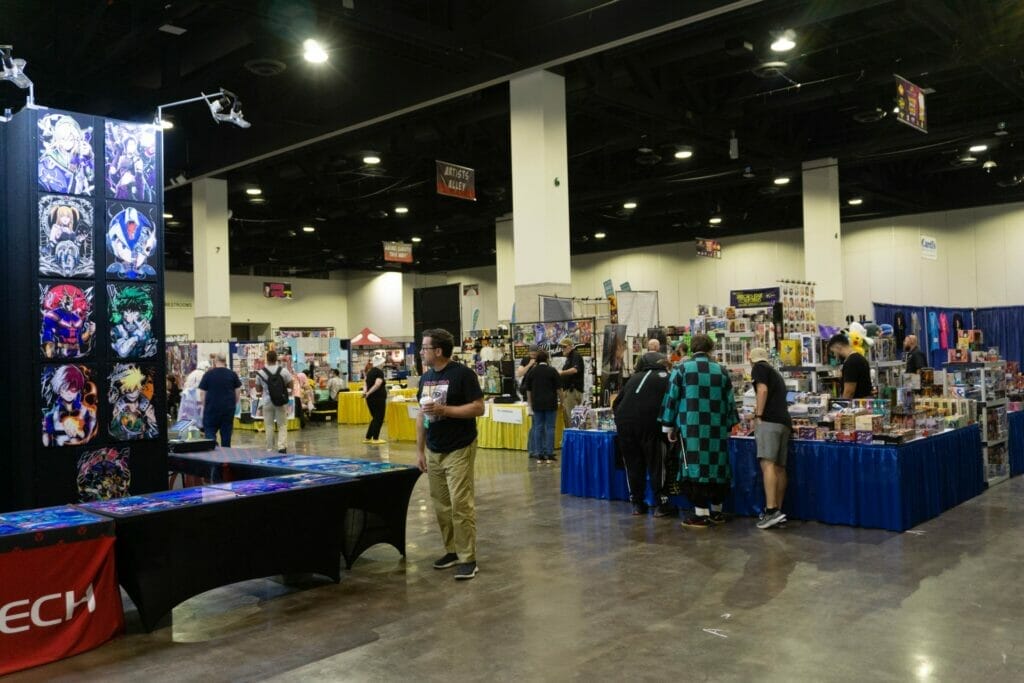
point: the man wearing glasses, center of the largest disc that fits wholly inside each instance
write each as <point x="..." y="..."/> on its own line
<point x="450" y="401"/>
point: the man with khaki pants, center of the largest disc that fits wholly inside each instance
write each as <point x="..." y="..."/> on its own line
<point x="571" y="394"/>
<point x="450" y="401"/>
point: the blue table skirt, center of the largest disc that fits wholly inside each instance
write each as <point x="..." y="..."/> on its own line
<point x="1015" y="444"/>
<point x="888" y="487"/>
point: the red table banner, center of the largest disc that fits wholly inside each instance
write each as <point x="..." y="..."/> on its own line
<point x="57" y="601"/>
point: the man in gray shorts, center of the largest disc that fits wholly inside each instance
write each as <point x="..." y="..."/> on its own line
<point x="772" y="426"/>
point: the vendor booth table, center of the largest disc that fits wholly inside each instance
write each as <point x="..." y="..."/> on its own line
<point x="503" y="425"/>
<point x="58" y="592"/>
<point x="352" y="408"/>
<point x="878" y="486"/>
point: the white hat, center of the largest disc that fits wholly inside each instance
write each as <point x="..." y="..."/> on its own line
<point x="377" y="361"/>
<point x="203" y="365"/>
<point x="758" y="354"/>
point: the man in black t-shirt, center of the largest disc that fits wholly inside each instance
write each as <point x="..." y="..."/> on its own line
<point x="856" y="370"/>
<point x="772" y="427"/>
<point x="450" y="401"/>
<point x="541" y="388"/>
<point x="572" y="378"/>
<point x="219" y="392"/>
<point x="914" y="355"/>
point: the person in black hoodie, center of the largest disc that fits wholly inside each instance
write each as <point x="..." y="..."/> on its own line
<point x="641" y="440"/>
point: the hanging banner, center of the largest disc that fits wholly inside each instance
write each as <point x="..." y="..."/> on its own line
<point x="609" y="290"/>
<point x="398" y="252"/>
<point x="709" y="248"/>
<point x="456" y="181"/>
<point x="754" y="298"/>
<point x="910" y="107"/>
<point x="929" y="248"/>
<point x="277" y="290"/>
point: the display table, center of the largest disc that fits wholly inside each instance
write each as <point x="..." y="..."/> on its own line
<point x="888" y="487"/>
<point x="503" y="425"/>
<point x="1015" y="441"/>
<point x="352" y="408"/>
<point x="49" y="559"/>
<point x="399" y="420"/>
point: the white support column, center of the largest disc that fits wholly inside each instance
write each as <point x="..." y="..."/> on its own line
<point x="823" y="255"/>
<point x="540" y="190"/>
<point x="505" y="266"/>
<point x="210" y="259"/>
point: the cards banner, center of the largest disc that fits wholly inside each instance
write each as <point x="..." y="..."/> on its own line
<point x="398" y="252"/>
<point x="709" y="248"/>
<point x="929" y="248"/>
<point x="56" y="602"/>
<point x="277" y="290"/>
<point x="456" y="181"/>
<point x="754" y="298"/>
<point x="910" y="104"/>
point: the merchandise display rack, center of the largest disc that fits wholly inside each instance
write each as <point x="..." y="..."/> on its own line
<point x="985" y="383"/>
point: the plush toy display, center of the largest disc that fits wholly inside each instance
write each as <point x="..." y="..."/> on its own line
<point x="859" y="339"/>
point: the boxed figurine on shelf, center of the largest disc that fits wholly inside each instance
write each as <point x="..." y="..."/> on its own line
<point x="603" y="419"/>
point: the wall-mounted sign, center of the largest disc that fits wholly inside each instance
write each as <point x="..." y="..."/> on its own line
<point x="929" y="248"/>
<point x="754" y="298"/>
<point x="910" y="104"/>
<point x="456" y="181"/>
<point x="277" y="290"/>
<point x="709" y="248"/>
<point x="398" y="252"/>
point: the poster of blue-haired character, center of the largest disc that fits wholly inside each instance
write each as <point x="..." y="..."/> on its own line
<point x="130" y="151"/>
<point x="66" y="162"/>
<point x="131" y="242"/>
<point x="65" y="237"/>
<point x="130" y="394"/>
<point x="130" y="309"/>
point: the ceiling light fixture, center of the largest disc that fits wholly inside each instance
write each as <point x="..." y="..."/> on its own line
<point x="684" y="152"/>
<point x="417" y="240"/>
<point x="401" y="210"/>
<point x="715" y="220"/>
<point x="313" y="52"/>
<point x="599" y="235"/>
<point x="855" y="201"/>
<point x="13" y="70"/>
<point x="308" y="228"/>
<point x="629" y="205"/>
<point x="168" y="216"/>
<point x="977" y="148"/>
<point x="781" y="180"/>
<point x="989" y="165"/>
<point x="371" y="160"/>
<point x="784" y="42"/>
<point x="748" y="172"/>
<point x="225" y="107"/>
<point x="166" y="124"/>
<point x="253" y="191"/>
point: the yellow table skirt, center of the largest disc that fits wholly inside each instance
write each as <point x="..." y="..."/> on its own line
<point x="490" y="434"/>
<point x="352" y="408"/>
<point x="257" y="425"/>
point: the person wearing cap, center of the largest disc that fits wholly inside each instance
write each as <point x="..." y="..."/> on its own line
<point x="572" y="378"/>
<point x="772" y="427"/>
<point x="376" y="394"/>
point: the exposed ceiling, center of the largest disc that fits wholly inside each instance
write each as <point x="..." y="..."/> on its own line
<point x="629" y="108"/>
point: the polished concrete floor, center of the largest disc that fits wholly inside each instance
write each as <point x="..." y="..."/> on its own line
<point x="572" y="588"/>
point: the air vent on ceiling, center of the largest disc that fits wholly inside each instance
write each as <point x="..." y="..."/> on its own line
<point x="870" y="115"/>
<point x="647" y="156"/>
<point x="770" y="69"/>
<point x="265" y="66"/>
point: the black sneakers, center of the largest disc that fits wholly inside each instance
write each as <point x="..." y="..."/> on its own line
<point x="640" y="509"/>
<point x="698" y="522"/>
<point x="465" y="571"/>
<point x="666" y="510"/>
<point x="449" y="560"/>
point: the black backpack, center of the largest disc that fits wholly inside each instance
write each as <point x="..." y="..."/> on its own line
<point x="276" y="388"/>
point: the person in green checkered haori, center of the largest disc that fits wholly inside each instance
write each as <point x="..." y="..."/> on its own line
<point x="699" y="410"/>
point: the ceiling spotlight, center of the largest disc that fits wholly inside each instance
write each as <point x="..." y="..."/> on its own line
<point x="599" y="235"/>
<point x="855" y="201"/>
<point x="715" y="220"/>
<point x="977" y="148"/>
<point x="253" y="191"/>
<point x="989" y="165"/>
<point x="166" y="124"/>
<point x="308" y="228"/>
<point x="1001" y="129"/>
<point x="371" y="160"/>
<point x="417" y="240"/>
<point x="401" y="210"/>
<point x="168" y="216"/>
<point x="748" y="172"/>
<point x="226" y="108"/>
<point x="784" y="42"/>
<point x="13" y="69"/>
<point x="781" y="180"/>
<point x="313" y="52"/>
<point x="684" y="152"/>
<point x="629" y="205"/>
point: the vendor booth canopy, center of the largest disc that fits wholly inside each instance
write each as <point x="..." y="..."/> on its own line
<point x="368" y="338"/>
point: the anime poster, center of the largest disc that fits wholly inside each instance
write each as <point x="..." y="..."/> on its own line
<point x="548" y="335"/>
<point x="131" y="242"/>
<point x="130" y="394"/>
<point x="69" y="405"/>
<point x="131" y="161"/>
<point x="66" y="162"/>
<point x="65" y="236"/>
<point x="67" y="330"/>
<point x="130" y="310"/>
<point x="103" y="474"/>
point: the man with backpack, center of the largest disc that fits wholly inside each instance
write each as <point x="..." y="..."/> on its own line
<point x="276" y="382"/>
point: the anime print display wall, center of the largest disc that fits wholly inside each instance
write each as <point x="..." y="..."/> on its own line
<point x="65" y="237"/>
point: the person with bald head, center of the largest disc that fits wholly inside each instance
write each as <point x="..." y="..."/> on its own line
<point x="915" y="357"/>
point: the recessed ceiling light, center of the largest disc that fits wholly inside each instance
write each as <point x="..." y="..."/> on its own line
<point x="401" y="209"/>
<point x="308" y="228"/>
<point x="784" y="42"/>
<point x="715" y="220"/>
<point x="168" y="216"/>
<point x="855" y="201"/>
<point x="253" y="191"/>
<point x="313" y="52"/>
<point x="629" y="205"/>
<point x="978" y="148"/>
<point x="599" y="235"/>
<point x="417" y="239"/>
<point x="781" y="180"/>
<point x="371" y="160"/>
<point x="683" y="153"/>
<point x="166" y="124"/>
<point x="257" y="200"/>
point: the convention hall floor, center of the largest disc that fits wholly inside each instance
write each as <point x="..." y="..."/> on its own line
<point x="575" y="588"/>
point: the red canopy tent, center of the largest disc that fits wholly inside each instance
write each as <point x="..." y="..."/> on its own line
<point x="368" y="339"/>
